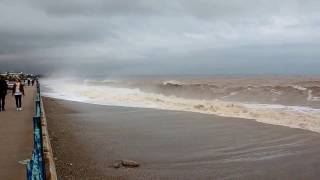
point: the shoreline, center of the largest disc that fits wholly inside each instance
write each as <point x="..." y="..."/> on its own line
<point x="291" y="117"/>
<point x="87" y="139"/>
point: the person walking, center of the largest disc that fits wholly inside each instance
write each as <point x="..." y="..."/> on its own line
<point x="17" y="92"/>
<point x="3" y="93"/>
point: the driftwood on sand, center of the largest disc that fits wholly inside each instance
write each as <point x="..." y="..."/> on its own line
<point x="125" y="163"/>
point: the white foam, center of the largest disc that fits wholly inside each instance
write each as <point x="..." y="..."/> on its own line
<point x="300" y="88"/>
<point x="291" y="116"/>
<point x="275" y="92"/>
<point x="100" y="81"/>
<point x="311" y="97"/>
<point x="230" y="95"/>
<point x="172" y="82"/>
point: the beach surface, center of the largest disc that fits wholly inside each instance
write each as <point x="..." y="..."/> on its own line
<point x="87" y="139"/>
<point x="16" y="136"/>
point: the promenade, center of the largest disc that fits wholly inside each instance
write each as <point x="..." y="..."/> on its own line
<point x="16" y="136"/>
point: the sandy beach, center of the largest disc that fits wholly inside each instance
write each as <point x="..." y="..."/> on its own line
<point x="87" y="139"/>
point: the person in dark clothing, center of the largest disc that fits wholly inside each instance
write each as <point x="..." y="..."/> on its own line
<point x="3" y="93"/>
<point x="32" y="82"/>
<point x="17" y="92"/>
<point x="28" y="82"/>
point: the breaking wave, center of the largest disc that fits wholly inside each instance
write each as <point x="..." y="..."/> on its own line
<point x="292" y="116"/>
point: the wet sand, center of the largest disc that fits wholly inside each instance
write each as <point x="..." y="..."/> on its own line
<point x="87" y="139"/>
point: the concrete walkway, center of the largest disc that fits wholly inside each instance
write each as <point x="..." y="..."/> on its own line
<point x="16" y="136"/>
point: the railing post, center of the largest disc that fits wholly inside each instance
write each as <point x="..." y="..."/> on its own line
<point x="38" y="146"/>
<point x="38" y="108"/>
<point x="36" y="166"/>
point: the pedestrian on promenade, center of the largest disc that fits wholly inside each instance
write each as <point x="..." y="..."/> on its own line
<point x="28" y="82"/>
<point x="3" y="93"/>
<point x="17" y="92"/>
<point x="32" y="82"/>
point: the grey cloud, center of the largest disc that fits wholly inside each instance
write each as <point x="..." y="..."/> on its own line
<point x="200" y="8"/>
<point x="181" y="36"/>
<point x="96" y="7"/>
<point x="15" y="41"/>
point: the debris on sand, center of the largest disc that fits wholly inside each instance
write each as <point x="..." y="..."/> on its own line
<point x="129" y="163"/>
<point x="125" y="163"/>
<point x="117" y="164"/>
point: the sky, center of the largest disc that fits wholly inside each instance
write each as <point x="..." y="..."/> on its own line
<point x="160" y="36"/>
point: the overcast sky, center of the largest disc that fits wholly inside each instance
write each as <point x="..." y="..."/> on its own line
<point x="161" y="36"/>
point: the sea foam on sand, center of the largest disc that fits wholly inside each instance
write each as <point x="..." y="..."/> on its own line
<point x="290" y="116"/>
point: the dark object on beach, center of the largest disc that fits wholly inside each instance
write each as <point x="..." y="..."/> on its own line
<point x="129" y="163"/>
<point x="125" y="163"/>
<point x="117" y="164"/>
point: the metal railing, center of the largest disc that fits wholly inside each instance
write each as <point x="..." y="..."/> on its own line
<point x="36" y="166"/>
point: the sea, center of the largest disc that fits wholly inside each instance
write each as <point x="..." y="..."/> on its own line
<point x="292" y="101"/>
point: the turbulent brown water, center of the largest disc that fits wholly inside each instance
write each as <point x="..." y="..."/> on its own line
<point x="280" y="100"/>
<point x="293" y="91"/>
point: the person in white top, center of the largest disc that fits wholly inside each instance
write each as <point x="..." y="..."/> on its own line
<point x="17" y="92"/>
